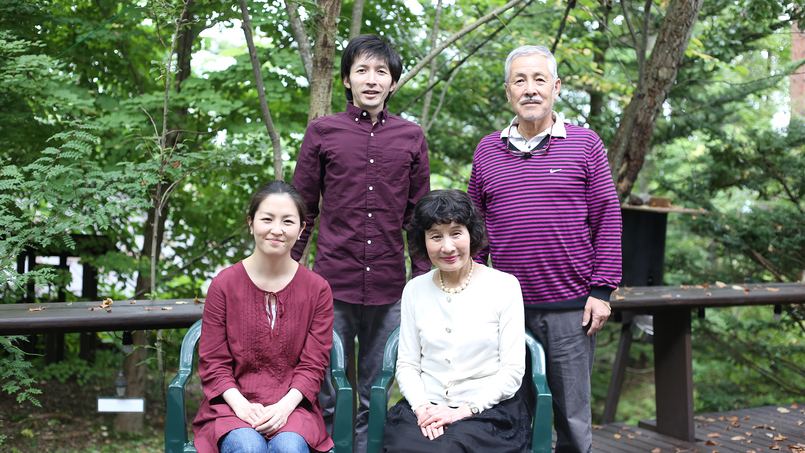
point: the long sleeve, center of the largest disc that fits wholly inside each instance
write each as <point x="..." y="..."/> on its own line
<point x="511" y="349"/>
<point x="409" y="354"/>
<point x="419" y="185"/>
<point x="215" y="361"/>
<point x="309" y="372"/>
<point x="605" y="224"/>
<point x="307" y="178"/>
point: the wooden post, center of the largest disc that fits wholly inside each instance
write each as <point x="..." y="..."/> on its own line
<point x="618" y="370"/>
<point x="89" y="291"/>
<point x="673" y="373"/>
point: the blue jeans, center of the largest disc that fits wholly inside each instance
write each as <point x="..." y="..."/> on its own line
<point x="247" y="440"/>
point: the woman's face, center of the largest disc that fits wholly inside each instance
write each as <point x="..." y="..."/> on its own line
<point x="448" y="246"/>
<point x="276" y="225"/>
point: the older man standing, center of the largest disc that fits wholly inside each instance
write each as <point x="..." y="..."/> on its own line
<point x="550" y="206"/>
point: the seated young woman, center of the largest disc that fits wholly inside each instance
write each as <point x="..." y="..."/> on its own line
<point x="265" y="343"/>
<point x="461" y="355"/>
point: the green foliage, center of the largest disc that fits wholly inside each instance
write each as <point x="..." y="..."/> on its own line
<point x="72" y="367"/>
<point x="61" y="192"/>
<point x="14" y="371"/>
<point x="745" y="358"/>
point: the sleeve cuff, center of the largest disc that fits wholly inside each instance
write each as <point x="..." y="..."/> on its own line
<point x="601" y="292"/>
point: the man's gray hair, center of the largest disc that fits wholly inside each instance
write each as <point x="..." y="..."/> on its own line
<point x="524" y="51"/>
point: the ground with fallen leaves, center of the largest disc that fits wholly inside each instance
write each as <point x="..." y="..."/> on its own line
<point x="68" y="421"/>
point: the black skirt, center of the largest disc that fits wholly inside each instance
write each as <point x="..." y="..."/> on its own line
<point x="504" y="428"/>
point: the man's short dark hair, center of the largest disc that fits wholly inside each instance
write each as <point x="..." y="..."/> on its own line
<point x="442" y="207"/>
<point x="372" y="46"/>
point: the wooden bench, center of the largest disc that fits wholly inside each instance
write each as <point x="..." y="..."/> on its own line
<point x="543" y="413"/>
<point x="176" y="418"/>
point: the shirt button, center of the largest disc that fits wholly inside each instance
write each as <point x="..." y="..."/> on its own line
<point x="448" y="330"/>
<point x="368" y="269"/>
<point x="449" y="299"/>
<point x="369" y="241"/>
<point x="383" y="121"/>
<point x="371" y="161"/>
<point x="356" y="119"/>
<point x="364" y="114"/>
<point x="372" y="134"/>
<point x="371" y="188"/>
<point x="370" y="214"/>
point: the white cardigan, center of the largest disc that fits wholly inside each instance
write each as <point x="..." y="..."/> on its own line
<point x="456" y="348"/>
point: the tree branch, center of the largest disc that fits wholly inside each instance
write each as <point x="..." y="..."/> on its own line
<point x="261" y="92"/>
<point x="434" y="36"/>
<point x="751" y="364"/>
<point x="186" y="266"/>
<point x="791" y="197"/>
<point x="441" y="100"/>
<point x="570" y="5"/>
<point x="447" y="42"/>
<point x="357" y="18"/>
<point x="301" y="38"/>
<point x="462" y="61"/>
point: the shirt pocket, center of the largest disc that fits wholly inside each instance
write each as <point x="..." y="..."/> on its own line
<point x="396" y="164"/>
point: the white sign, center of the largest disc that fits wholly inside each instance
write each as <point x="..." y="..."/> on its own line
<point x="121" y="405"/>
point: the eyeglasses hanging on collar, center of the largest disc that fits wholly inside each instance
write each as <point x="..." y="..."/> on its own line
<point x="541" y="148"/>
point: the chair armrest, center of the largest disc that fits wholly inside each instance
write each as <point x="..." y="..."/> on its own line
<point x="176" y="416"/>
<point x="543" y="412"/>
<point x="378" y="399"/>
<point x="344" y="397"/>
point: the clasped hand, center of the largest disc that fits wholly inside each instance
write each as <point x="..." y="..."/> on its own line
<point x="266" y="420"/>
<point x="433" y="419"/>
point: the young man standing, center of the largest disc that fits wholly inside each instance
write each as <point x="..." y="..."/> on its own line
<point x="370" y="168"/>
<point x="552" y="213"/>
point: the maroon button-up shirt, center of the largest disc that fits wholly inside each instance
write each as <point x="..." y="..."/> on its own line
<point x="370" y="176"/>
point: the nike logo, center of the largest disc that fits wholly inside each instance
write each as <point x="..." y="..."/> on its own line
<point x="554" y="171"/>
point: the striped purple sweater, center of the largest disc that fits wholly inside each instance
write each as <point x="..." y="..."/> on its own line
<point x="553" y="220"/>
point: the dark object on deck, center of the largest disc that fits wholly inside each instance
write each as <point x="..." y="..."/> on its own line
<point x="176" y="418"/>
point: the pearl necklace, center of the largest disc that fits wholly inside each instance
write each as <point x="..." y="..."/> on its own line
<point x="463" y="285"/>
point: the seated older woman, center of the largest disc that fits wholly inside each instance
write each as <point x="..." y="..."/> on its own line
<point x="461" y="356"/>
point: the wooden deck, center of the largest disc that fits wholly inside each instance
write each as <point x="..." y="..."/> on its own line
<point x="770" y="428"/>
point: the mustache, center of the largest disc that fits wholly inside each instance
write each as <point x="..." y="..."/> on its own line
<point x="536" y="98"/>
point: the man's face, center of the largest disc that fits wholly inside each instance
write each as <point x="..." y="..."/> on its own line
<point x="370" y="82"/>
<point x="531" y="89"/>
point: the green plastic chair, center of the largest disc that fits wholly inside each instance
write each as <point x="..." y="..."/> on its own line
<point x="176" y="419"/>
<point x="543" y="416"/>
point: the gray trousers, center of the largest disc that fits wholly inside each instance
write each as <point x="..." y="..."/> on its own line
<point x="569" y="353"/>
<point x="372" y="325"/>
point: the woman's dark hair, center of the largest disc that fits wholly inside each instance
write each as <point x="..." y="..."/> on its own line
<point x="370" y="46"/>
<point x="441" y="207"/>
<point x="277" y="188"/>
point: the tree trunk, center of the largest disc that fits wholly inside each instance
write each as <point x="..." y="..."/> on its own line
<point x="646" y="104"/>
<point x="597" y="97"/>
<point x="321" y="80"/>
<point x="357" y="18"/>
<point x="132" y="422"/>
<point x="261" y="93"/>
<point x="434" y="64"/>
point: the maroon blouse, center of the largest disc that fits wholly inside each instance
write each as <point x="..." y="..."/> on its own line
<point x="239" y="349"/>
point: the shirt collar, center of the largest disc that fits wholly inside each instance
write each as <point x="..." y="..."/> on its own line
<point x="558" y="130"/>
<point x="357" y="114"/>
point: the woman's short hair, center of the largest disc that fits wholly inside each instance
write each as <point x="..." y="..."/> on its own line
<point x="442" y="207"/>
<point x="277" y="188"/>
